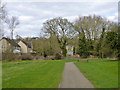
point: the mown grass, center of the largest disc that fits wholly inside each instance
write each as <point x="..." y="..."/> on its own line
<point x="32" y="74"/>
<point x="48" y="73"/>
<point x="102" y="74"/>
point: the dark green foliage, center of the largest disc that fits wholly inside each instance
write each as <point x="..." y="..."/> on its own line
<point x="118" y="47"/>
<point x="74" y="52"/>
<point x="63" y="48"/>
<point x="64" y="51"/>
<point x="45" y="54"/>
<point x="100" y="44"/>
<point x="82" y="48"/>
<point x="82" y="51"/>
<point x="112" y="39"/>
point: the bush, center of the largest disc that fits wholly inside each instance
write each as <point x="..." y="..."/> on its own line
<point x="58" y="56"/>
<point x="7" y="56"/>
<point x="10" y="56"/>
<point x="50" y="57"/>
<point x="27" y="57"/>
<point x="38" y="57"/>
<point x="16" y="57"/>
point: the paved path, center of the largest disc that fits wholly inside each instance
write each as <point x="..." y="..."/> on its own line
<point x="73" y="78"/>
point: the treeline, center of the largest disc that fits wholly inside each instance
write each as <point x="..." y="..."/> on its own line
<point x="90" y="35"/>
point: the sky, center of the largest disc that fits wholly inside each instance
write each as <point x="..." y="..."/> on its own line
<point x="32" y="14"/>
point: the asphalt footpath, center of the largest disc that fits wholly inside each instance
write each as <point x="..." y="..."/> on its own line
<point x="73" y="78"/>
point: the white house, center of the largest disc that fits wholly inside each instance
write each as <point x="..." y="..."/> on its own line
<point x="69" y="49"/>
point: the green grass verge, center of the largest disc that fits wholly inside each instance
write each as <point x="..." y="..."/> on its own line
<point x="32" y="74"/>
<point x="102" y="74"/>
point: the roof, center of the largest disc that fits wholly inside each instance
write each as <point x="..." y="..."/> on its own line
<point x="12" y="42"/>
<point x="27" y="44"/>
<point x="68" y="45"/>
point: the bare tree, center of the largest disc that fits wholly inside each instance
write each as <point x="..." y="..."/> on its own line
<point x="60" y="28"/>
<point x="12" y="23"/>
<point x="3" y="15"/>
<point x="3" y="12"/>
<point x="18" y="37"/>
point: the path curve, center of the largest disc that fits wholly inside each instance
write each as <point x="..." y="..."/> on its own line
<point x="73" y="78"/>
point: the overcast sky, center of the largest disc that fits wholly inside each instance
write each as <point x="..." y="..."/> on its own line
<point x="33" y="14"/>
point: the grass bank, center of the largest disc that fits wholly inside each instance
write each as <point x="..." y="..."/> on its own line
<point x="102" y="74"/>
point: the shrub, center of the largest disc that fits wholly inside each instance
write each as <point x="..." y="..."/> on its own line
<point x="16" y="57"/>
<point x="7" y="56"/>
<point x="50" y="57"/>
<point x="27" y="57"/>
<point x="58" y="56"/>
<point x="37" y="57"/>
<point x="41" y="58"/>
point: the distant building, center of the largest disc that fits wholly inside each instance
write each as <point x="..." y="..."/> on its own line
<point x="8" y="44"/>
<point x="69" y="49"/>
<point x="11" y="45"/>
<point x="25" y="47"/>
<point x="35" y="38"/>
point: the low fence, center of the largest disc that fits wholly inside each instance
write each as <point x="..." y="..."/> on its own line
<point x="96" y="60"/>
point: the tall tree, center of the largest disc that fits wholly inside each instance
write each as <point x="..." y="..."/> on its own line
<point x="61" y="28"/>
<point x="80" y="28"/>
<point x="90" y="29"/>
<point x="112" y="40"/>
<point x="105" y="27"/>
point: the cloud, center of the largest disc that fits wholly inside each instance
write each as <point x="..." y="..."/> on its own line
<point x="33" y="14"/>
<point x="111" y="18"/>
<point x="71" y="18"/>
<point x="26" y="18"/>
<point x="62" y="1"/>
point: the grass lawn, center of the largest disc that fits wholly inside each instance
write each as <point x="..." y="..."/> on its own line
<point x="32" y="74"/>
<point x="102" y="74"/>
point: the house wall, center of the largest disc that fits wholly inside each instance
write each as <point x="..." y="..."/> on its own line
<point x="24" y="48"/>
<point x="4" y="45"/>
<point x="29" y="49"/>
<point x="69" y="50"/>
